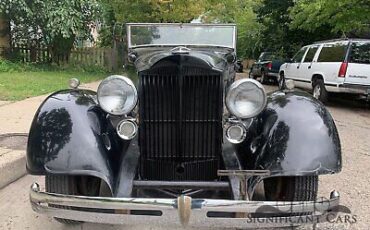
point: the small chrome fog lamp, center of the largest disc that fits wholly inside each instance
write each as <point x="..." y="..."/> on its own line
<point x="236" y="133"/>
<point x="74" y="83"/>
<point x="127" y="129"/>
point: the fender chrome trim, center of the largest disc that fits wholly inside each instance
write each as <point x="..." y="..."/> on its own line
<point x="183" y="211"/>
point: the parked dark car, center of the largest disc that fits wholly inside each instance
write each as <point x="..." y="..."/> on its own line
<point x="266" y="67"/>
<point x="186" y="145"/>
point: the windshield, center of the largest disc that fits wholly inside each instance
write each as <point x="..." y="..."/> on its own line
<point x="181" y="34"/>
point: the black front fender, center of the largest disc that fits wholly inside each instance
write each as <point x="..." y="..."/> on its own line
<point x="66" y="137"/>
<point x="297" y="136"/>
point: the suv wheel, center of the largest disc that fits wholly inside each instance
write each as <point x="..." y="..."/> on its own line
<point x="71" y="185"/>
<point x="281" y="81"/>
<point x="319" y="92"/>
<point x="263" y="78"/>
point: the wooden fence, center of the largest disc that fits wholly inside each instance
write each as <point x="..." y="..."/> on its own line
<point x="107" y="58"/>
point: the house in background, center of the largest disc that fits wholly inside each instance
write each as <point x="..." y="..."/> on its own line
<point x="92" y="42"/>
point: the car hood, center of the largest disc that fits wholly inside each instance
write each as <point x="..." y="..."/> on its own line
<point x="216" y="58"/>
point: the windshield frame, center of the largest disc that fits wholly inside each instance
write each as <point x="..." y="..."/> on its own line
<point x="130" y="46"/>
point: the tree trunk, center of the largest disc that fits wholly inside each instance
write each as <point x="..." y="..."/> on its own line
<point x="4" y="34"/>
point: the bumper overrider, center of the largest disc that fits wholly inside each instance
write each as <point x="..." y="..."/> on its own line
<point x="183" y="211"/>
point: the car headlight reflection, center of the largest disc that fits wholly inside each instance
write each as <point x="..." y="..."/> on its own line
<point x="117" y="95"/>
<point x="246" y="98"/>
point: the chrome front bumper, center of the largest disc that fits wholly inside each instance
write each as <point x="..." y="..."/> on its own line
<point x="183" y="211"/>
<point x="273" y="74"/>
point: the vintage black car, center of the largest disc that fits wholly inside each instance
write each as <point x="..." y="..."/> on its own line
<point x="187" y="145"/>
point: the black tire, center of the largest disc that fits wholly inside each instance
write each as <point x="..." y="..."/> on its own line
<point x="295" y="188"/>
<point x="71" y="185"/>
<point x="281" y="81"/>
<point x="264" y="79"/>
<point x="319" y="91"/>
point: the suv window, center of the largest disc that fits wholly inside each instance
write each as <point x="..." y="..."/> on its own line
<point x="299" y="55"/>
<point x="360" y="52"/>
<point x="311" y="54"/>
<point x="333" y="52"/>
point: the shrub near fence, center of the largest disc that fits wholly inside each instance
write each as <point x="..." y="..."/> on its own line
<point x="106" y="58"/>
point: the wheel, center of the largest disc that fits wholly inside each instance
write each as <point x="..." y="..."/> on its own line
<point x="281" y="81"/>
<point x="263" y="78"/>
<point x="71" y="185"/>
<point x="295" y="188"/>
<point x="318" y="90"/>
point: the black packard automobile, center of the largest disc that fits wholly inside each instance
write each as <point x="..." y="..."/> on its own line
<point x="187" y="145"/>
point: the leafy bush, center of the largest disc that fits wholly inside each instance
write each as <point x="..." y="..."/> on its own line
<point x="7" y="66"/>
<point x="11" y="67"/>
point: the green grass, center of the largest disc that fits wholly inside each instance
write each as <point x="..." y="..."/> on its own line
<point x="16" y="85"/>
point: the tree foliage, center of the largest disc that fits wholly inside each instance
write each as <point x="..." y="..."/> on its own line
<point x="242" y="13"/>
<point x="157" y="10"/>
<point x="343" y="16"/>
<point x="277" y="34"/>
<point x="54" y="23"/>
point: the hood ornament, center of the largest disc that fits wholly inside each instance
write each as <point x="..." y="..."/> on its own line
<point x="180" y="50"/>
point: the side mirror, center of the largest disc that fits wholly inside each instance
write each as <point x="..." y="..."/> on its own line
<point x="132" y="57"/>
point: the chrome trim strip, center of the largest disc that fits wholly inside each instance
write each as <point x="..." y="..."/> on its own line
<point x="183" y="211"/>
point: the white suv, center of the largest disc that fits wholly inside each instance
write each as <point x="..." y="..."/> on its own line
<point x="341" y="66"/>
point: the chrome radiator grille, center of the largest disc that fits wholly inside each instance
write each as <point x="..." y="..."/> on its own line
<point x="180" y="123"/>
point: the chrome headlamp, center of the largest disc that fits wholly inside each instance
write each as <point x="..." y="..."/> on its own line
<point x="117" y="95"/>
<point x="246" y="98"/>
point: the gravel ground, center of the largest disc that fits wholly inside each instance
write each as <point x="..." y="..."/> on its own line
<point x="353" y="183"/>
